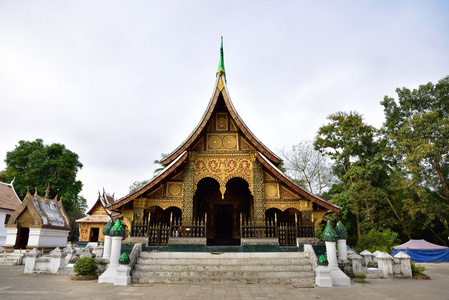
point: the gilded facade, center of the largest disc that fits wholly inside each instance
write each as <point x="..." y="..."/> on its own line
<point x="223" y="176"/>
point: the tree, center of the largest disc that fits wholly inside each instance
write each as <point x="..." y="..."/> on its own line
<point x="159" y="162"/>
<point x="38" y="166"/>
<point x="137" y="185"/>
<point x="418" y="129"/>
<point x="308" y="167"/>
<point x="356" y="148"/>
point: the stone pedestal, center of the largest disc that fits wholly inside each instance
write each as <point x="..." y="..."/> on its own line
<point x="111" y="272"/>
<point x="100" y="249"/>
<point x="385" y="265"/>
<point x="337" y="275"/>
<point x="342" y="250"/>
<point x="405" y="266"/>
<point x="107" y="247"/>
<point x="57" y="260"/>
<point x="123" y="277"/>
<point x="367" y="256"/>
<point x="31" y="260"/>
<point x="323" y="276"/>
<point x="356" y="263"/>
<point x="69" y="251"/>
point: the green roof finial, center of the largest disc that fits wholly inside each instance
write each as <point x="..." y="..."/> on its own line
<point x="221" y="68"/>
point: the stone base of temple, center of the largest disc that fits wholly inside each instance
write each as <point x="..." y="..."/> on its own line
<point x="186" y="241"/>
<point x="260" y="241"/>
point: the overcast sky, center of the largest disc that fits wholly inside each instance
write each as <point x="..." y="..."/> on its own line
<point x="120" y="82"/>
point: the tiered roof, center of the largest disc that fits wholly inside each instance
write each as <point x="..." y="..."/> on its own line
<point x="93" y="215"/>
<point x="264" y="155"/>
<point x="45" y="213"/>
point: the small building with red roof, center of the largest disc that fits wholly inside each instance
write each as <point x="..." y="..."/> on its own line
<point x="91" y="227"/>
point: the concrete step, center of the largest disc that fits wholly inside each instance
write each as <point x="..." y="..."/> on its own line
<point x="225" y="274"/>
<point x="227" y="255"/>
<point x="243" y="267"/>
<point x="248" y="280"/>
<point x="217" y="267"/>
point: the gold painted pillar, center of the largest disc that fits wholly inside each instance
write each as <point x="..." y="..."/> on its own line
<point x="258" y="194"/>
<point x="139" y="209"/>
<point x="188" y="193"/>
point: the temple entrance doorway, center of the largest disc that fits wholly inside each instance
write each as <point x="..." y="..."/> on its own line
<point x="94" y="233"/>
<point x="223" y="211"/>
<point x="23" y="234"/>
<point x="223" y="222"/>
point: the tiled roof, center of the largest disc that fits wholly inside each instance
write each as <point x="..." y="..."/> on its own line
<point x="221" y="88"/>
<point x="298" y="189"/>
<point x="152" y="183"/>
<point x="8" y="197"/>
<point x="93" y="219"/>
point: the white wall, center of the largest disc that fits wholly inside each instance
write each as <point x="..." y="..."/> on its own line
<point x="3" y="213"/>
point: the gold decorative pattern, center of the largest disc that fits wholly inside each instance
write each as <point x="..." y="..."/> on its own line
<point x="174" y="189"/>
<point x="199" y="145"/>
<point x="222" y="121"/>
<point x="220" y="84"/>
<point x="210" y="127"/>
<point x="164" y="204"/>
<point x="258" y="195"/>
<point x="245" y="145"/>
<point x="214" y="142"/>
<point x="226" y="142"/>
<point x="229" y="142"/>
<point x="271" y="190"/>
<point x="282" y="206"/>
<point x="179" y="176"/>
<point x="188" y="192"/>
<point x="232" y="126"/>
<point x="157" y="192"/>
<point x="267" y="177"/>
<point x="223" y="169"/>
<point x="288" y="194"/>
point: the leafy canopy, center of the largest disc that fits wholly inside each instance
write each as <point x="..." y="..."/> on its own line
<point x="37" y="166"/>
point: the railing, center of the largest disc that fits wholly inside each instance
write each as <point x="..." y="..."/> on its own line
<point x="249" y="229"/>
<point x="306" y="231"/>
<point x="159" y="233"/>
<point x="287" y="234"/>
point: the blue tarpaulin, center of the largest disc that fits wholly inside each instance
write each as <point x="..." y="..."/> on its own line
<point x="423" y="251"/>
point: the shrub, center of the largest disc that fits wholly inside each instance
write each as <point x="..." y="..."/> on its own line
<point x="361" y="276"/>
<point x="377" y="241"/>
<point x="85" y="266"/>
<point x="417" y="270"/>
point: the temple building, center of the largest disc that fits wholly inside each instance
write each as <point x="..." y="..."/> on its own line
<point x="38" y="222"/>
<point x="222" y="186"/>
<point x="91" y="227"/>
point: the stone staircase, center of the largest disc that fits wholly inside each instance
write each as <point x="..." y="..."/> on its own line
<point x="228" y="267"/>
<point x="14" y="258"/>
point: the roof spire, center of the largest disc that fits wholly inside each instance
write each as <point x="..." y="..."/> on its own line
<point x="221" y="68"/>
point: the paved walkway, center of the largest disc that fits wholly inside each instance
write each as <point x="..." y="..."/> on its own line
<point x="16" y="285"/>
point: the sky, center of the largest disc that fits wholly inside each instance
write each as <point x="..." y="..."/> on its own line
<point x="120" y="82"/>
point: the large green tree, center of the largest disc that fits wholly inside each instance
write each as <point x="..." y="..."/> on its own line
<point x="417" y="125"/>
<point x="355" y="148"/>
<point x="33" y="165"/>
